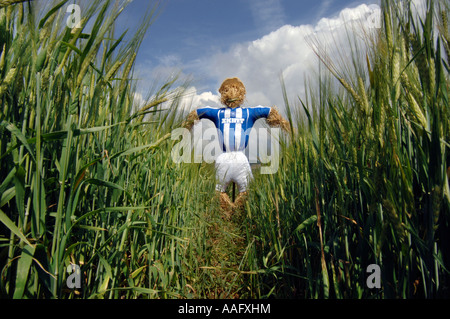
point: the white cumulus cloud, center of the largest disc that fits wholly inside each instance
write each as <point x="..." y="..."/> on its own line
<point x="285" y="51"/>
<point x="193" y="99"/>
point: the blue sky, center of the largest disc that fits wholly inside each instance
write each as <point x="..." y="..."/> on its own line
<point x="187" y="32"/>
<point x="259" y="41"/>
<point x="195" y="27"/>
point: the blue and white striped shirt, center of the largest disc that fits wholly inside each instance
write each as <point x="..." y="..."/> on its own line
<point x="234" y="124"/>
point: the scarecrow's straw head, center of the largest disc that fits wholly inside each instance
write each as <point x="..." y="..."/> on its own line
<point x="232" y="92"/>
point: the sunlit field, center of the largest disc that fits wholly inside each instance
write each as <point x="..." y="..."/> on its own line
<point x="87" y="179"/>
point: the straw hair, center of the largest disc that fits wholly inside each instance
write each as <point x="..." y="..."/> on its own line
<point x="226" y="206"/>
<point x="276" y="120"/>
<point x="232" y="92"/>
<point x="190" y="120"/>
<point x="239" y="203"/>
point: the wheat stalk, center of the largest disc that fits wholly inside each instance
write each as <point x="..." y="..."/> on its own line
<point x="9" y="78"/>
<point x="126" y="71"/>
<point x="416" y="110"/>
<point x="432" y="75"/>
<point x="113" y="70"/>
<point x="445" y="34"/>
<point x="2" y="57"/>
<point x="5" y="3"/>
<point x="406" y="83"/>
<point x="396" y="74"/>
<point x="352" y="92"/>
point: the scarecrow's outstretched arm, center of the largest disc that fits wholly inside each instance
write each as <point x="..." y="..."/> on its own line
<point x="190" y="120"/>
<point x="276" y="120"/>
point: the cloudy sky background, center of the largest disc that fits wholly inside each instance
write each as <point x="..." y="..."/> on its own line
<point x="255" y="40"/>
<point x="259" y="41"/>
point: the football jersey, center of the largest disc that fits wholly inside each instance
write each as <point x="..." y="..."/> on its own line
<point x="233" y="124"/>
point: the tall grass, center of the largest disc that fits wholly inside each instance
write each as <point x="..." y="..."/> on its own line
<point x="87" y="178"/>
<point x="365" y="178"/>
<point x="84" y="178"/>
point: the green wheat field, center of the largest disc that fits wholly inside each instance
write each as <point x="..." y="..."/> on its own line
<point x="87" y="177"/>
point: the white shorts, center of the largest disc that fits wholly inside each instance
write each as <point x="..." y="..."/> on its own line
<point x="232" y="167"/>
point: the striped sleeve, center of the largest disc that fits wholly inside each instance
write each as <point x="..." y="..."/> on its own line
<point x="209" y="113"/>
<point x="258" y="112"/>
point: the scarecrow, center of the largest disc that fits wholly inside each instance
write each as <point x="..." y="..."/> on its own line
<point x="234" y="124"/>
